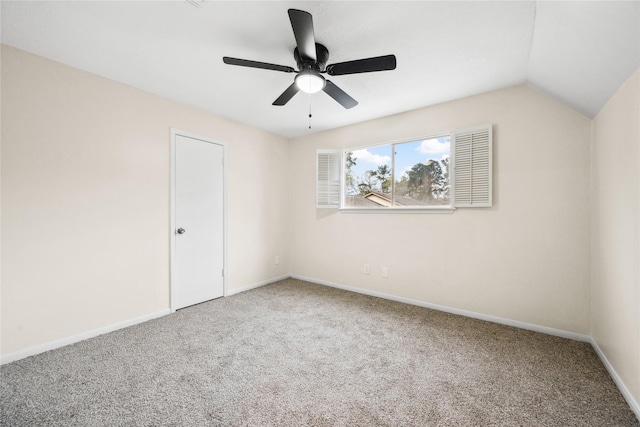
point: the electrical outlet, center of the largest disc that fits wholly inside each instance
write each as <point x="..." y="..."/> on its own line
<point x="277" y="261"/>
<point x="385" y="272"/>
<point x="366" y="269"/>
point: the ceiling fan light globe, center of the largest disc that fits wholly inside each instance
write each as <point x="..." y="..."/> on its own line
<point x="310" y="82"/>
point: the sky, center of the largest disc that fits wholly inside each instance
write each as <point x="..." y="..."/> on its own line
<point x="407" y="155"/>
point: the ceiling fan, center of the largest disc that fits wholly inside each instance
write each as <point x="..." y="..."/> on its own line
<point x="311" y="58"/>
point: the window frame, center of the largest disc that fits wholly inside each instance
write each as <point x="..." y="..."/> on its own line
<point x="435" y="209"/>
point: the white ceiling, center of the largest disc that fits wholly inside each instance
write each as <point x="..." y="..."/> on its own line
<point x="578" y="52"/>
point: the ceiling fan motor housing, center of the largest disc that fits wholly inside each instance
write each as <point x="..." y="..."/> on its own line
<point x="322" y="57"/>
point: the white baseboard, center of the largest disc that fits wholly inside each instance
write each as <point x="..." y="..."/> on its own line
<point x="256" y="285"/>
<point x="501" y="320"/>
<point x="635" y="406"/>
<point x="31" y="351"/>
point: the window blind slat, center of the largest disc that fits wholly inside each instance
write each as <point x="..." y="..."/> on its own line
<point x="328" y="178"/>
<point x="472" y="165"/>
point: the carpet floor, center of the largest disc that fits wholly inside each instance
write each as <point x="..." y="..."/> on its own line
<point x="298" y="354"/>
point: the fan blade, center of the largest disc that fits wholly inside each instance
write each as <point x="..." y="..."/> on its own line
<point x="379" y="63"/>
<point x="302" y="24"/>
<point x="339" y="95"/>
<point x="256" y="64"/>
<point x="286" y="95"/>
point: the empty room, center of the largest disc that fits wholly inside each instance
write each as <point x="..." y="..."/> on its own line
<point x="320" y="213"/>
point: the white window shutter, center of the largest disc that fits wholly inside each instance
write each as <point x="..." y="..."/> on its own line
<point x="472" y="166"/>
<point x="328" y="174"/>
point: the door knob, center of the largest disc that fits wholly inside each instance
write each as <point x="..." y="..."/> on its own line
<point x="181" y="231"/>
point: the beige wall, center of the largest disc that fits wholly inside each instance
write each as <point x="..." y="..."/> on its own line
<point x="85" y="200"/>
<point x="525" y="259"/>
<point x="85" y="211"/>
<point x="615" y="267"/>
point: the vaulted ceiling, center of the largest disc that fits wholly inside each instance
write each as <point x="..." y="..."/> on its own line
<point x="578" y="52"/>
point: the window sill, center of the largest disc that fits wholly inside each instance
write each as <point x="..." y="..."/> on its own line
<point x="404" y="210"/>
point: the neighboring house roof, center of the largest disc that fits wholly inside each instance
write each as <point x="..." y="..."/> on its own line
<point x="360" y="202"/>
<point x="381" y="199"/>
<point x="377" y="199"/>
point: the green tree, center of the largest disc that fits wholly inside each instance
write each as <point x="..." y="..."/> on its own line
<point x="383" y="175"/>
<point x="425" y="181"/>
<point x="351" y="161"/>
<point x="445" y="178"/>
<point x="350" y="180"/>
<point x="368" y="183"/>
<point x="402" y="187"/>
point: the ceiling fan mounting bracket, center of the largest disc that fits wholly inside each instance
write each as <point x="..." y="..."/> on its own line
<point x="322" y="57"/>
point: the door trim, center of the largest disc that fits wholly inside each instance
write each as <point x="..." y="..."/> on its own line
<point x="172" y="210"/>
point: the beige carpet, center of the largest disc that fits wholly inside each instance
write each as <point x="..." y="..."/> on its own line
<point x="299" y="354"/>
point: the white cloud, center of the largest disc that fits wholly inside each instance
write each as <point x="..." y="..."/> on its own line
<point x="433" y="146"/>
<point x="366" y="156"/>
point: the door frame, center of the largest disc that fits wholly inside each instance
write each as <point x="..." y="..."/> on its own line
<point x="172" y="210"/>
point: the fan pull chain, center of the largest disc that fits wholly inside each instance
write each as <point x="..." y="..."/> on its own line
<point x="310" y="111"/>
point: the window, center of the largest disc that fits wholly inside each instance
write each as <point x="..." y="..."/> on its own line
<point x="437" y="172"/>
<point x="408" y="174"/>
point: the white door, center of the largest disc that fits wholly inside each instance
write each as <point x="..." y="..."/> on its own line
<point x="198" y="222"/>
